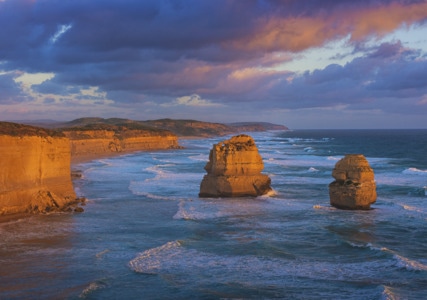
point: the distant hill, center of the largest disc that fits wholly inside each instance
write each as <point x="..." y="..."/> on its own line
<point x="191" y="127"/>
<point x="178" y="127"/>
<point x="199" y="128"/>
<point x="256" y="126"/>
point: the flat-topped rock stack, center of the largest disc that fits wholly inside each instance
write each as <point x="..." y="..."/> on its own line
<point x="354" y="186"/>
<point x="234" y="170"/>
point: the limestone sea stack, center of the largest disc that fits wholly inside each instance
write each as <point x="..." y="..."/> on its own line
<point x="34" y="170"/>
<point x="234" y="170"/>
<point x="354" y="186"/>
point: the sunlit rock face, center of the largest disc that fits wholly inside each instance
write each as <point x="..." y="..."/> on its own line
<point x="87" y="144"/>
<point x="234" y="170"/>
<point x="34" y="170"/>
<point x="354" y="186"/>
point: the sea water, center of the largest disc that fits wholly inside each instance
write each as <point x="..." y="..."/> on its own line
<point x="145" y="234"/>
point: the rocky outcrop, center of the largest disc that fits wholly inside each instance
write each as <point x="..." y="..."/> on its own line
<point x="354" y="186"/>
<point x="234" y="170"/>
<point x="89" y="144"/>
<point x="34" y="170"/>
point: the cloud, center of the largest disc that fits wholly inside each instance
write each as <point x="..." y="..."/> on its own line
<point x="10" y="90"/>
<point x="192" y="100"/>
<point x="62" y="29"/>
<point x="234" y="53"/>
<point x="368" y="82"/>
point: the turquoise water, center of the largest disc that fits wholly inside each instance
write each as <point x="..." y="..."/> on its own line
<point x="145" y="234"/>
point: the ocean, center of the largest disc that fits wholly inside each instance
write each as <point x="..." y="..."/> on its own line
<point x="145" y="234"/>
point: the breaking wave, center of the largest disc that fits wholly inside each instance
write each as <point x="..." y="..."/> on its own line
<point x="415" y="171"/>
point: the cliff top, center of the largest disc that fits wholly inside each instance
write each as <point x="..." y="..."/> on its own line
<point x="15" y="129"/>
<point x="118" y="126"/>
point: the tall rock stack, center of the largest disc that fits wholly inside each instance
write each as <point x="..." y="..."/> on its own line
<point x="354" y="186"/>
<point x="234" y="170"/>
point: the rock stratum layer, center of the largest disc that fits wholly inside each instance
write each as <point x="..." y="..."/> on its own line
<point x="354" y="186"/>
<point x="34" y="170"/>
<point x="234" y="170"/>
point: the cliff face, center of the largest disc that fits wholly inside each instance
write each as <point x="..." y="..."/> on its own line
<point x="234" y="170"/>
<point x="34" y="171"/>
<point x="354" y="186"/>
<point x="86" y="144"/>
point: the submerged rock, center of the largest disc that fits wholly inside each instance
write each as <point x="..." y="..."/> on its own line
<point x="354" y="186"/>
<point x="234" y="170"/>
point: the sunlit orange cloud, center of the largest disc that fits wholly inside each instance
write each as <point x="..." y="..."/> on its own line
<point x="300" y="33"/>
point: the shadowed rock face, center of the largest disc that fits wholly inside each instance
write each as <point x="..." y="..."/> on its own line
<point x="234" y="170"/>
<point x="354" y="186"/>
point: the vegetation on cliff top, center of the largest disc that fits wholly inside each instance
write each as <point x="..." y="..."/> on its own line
<point x="120" y="127"/>
<point x="15" y="129"/>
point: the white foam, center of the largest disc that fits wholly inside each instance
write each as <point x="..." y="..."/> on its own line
<point x="149" y="261"/>
<point x="175" y="259"/>
<point x="411" y="208"/>
<point x="210" y="208"/>
<point x="311" y="169"/>
<point x="199" y="157"/>
<point x="93" y="286"/>
<point x="415" y="171"/>
<point x="389" y="293"/>
<point x="297" y="161"/>
<point x="404" y="262"/>
<point x="334" y="158"/>
<point x="189" y="210"/>
<point x="323" y="207"/>
<point x="409" y="264"/>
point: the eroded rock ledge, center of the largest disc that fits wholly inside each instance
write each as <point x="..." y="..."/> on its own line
<point x="34" y="170"/>
<point x="234" y="170"/>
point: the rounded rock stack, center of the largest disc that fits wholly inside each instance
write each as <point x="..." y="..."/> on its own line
<point x="354" y="186"/>
<point x="234" y="170"/>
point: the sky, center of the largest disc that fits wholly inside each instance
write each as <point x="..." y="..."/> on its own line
<point x="306" y="64"/>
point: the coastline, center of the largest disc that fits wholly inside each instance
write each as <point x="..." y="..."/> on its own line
<point x="87" y="157"/>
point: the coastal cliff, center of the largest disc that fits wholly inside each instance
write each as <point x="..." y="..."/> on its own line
<point x="98" y="140"/>
<point x="34" y="170"/>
